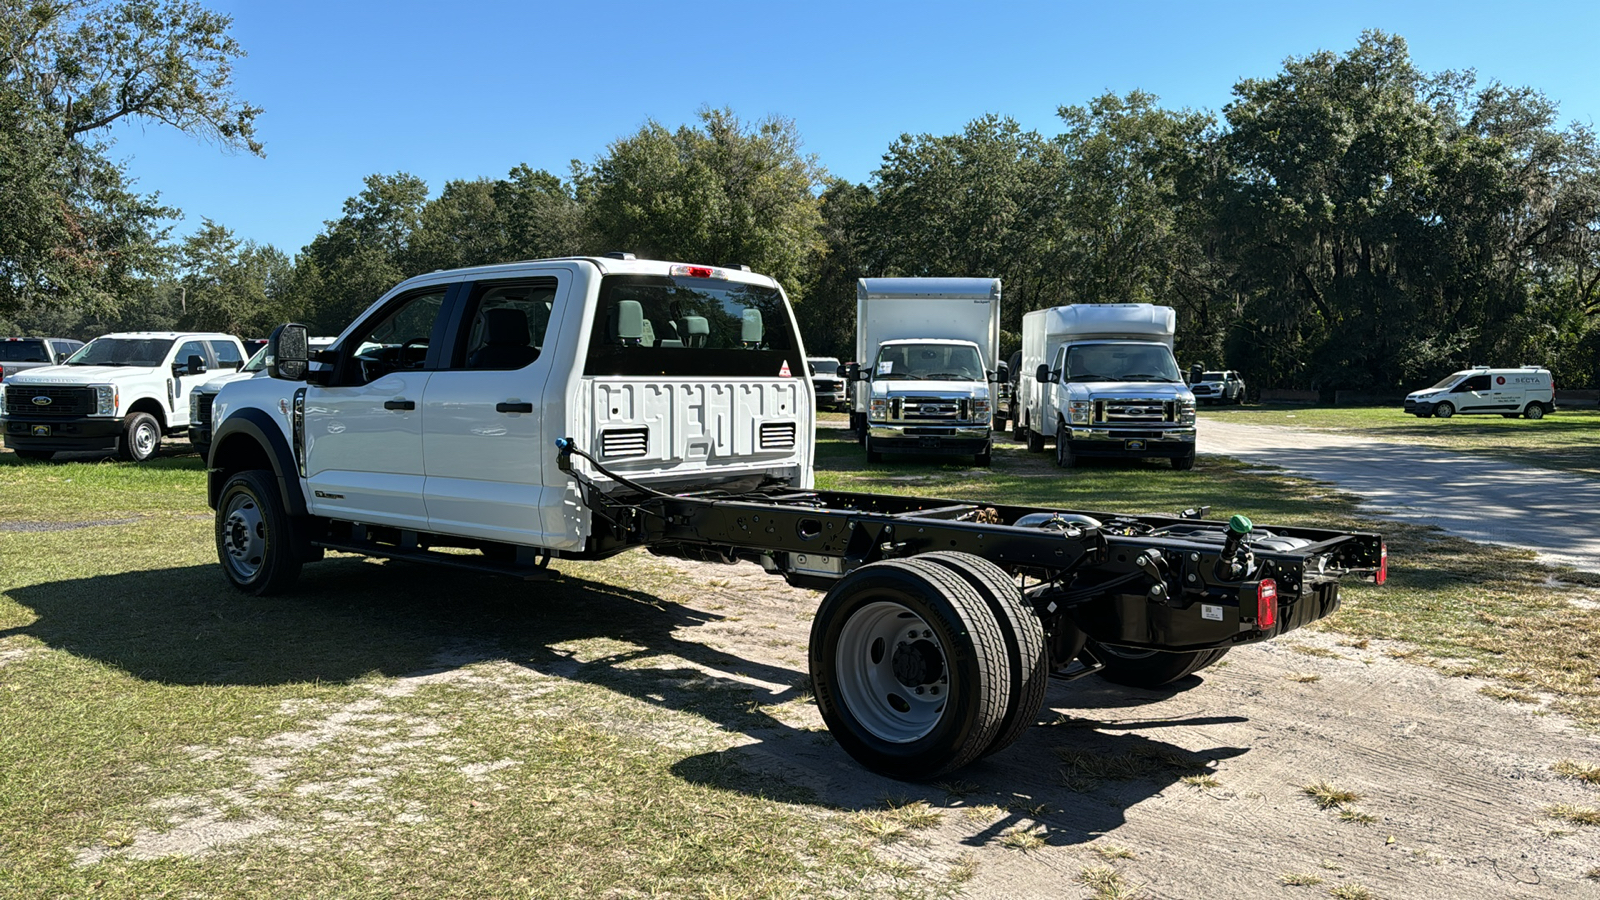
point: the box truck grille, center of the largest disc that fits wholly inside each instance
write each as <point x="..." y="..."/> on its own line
<point x="922" y="409"/>
<point x="1140" y="412"/>
<point x="24" y="400"/>
<point x="625" y="442"/>
<point x="777" y="436"/>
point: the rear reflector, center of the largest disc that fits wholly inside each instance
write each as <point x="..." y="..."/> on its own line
<point x="1383" y="564"/>
<point x="1266" y="604"/>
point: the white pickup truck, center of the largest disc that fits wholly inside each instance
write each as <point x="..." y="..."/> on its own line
<point x="122" y="392"/>
<point x="578" y="408"/>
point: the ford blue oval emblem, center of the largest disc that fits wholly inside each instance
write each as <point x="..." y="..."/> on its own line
<point x="41" y="401"/>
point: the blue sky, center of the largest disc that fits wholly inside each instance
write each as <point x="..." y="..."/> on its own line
<point x="470" y="89"/>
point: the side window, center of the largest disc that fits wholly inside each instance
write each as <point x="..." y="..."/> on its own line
<point x="1060" y="365"/>
<point x="394" y="340"/>
<point x="505" y="324"/>
<point x="192" y="348"/>
<point x="227" y="354"/>
<point x="64" y="348"/>
<point x="1475" y="383"/>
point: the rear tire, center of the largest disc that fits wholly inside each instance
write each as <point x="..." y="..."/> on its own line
<point x="890" y="630"/>
<point x="1018" y="434"/>
<point x="255" y="535"/>
<point x="1065" y="458"/>
<point x="1035" y="440"/>
<point x="36" y="455"/>
<point x="1150" y="668"/>
<point x="1023" y="634"/>
<point x="141" y="438"/>
<point x="1534" y="411"/>
<point x="1444" y="410"/>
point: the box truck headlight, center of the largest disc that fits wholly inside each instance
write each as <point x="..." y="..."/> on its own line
<point x="105" y="400"/>
<point x="1185" y="412"/>
<point x="980" y="411"/>
<point x="1079" y="411"/>
<point x="879" y="411"/>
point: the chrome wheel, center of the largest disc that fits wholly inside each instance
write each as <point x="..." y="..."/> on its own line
<point x="894" y="674"/>
<point x="244" y="537"/>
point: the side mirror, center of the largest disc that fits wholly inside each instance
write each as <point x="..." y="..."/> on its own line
<point x="1042" y="374"/>
<point x="812" y="368"/>
<point x="286" y="353"/>
<point x="851" y="372"/>
<point x="1003" y="373"/>
<point x="194" y="365"/>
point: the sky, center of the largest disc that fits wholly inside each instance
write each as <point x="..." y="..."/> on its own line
<point x="470" y="89"/>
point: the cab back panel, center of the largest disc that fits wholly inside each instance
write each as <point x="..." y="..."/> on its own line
<point x="680" y="428"/>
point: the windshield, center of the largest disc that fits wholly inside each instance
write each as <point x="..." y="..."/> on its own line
<point x="825" y="365"/>
<point x="146" y="352"/>
<point x="1121" y="362"/>
<point x="23" y="351"/>
<point x="257" y="362"/>
<point x="685" y="326"/>
<point x="1447" y="381"/>
<point x="928" y="362"/>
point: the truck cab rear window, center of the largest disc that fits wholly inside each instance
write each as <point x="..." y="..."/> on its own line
<point x="657" y="325"/>
<point x="23" y="351"/>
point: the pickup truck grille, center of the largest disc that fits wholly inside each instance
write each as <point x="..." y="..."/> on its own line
<point x="202" y="408"/>
<point x="1136" y="412"/>
<point x="64" y="401"/>
<point x="617" y="442"/>
<point x="777" y="436"/>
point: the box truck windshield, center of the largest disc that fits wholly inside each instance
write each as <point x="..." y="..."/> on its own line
<point x="687" y="326"/>
<point x="1121" y="362"/>
<point x="929" y="362"/>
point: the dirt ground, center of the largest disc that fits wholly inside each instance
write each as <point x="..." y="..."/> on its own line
<point x="1455" y="786"/>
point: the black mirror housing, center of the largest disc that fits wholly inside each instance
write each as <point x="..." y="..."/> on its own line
<point x="1003" y="373"/>
<point x="1042" y="374"/>
<point x="287" y="356"/>
<point x="196" y="365"/>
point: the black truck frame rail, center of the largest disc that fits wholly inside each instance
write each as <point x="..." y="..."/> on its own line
<point x="1145" y="582"/>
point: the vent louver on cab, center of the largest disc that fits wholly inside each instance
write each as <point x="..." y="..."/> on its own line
<point x="777" y="436"/>
<point x="625" y="442"/>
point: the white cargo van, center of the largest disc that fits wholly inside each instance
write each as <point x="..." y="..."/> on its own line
<point x="1527" y="391"/>
<point x="929" y="352"/>
<point x="1100" y="379"/>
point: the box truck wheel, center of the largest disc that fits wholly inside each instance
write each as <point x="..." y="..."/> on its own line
<point x="1018" y="434"/>
<point x="985" y="458"/>
<point x="1064" y="455"/>
<point x="910" y="669"/>
<point x="1535" y="410"/>
<point x="1150" y="668"/>
<point x="872" y="455"/>
<point x="1022" y="632"/>
<point x="1035" y="440"/>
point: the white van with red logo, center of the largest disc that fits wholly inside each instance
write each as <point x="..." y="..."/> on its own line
<point x="1528" y="391"/>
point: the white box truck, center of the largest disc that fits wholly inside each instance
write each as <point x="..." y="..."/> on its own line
<point x="1100" y="379"/>
<point x="926" y="366"/>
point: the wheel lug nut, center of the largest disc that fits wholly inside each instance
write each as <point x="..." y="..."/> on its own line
<point x="927" y="634"/>
<point x="919" y="690"/>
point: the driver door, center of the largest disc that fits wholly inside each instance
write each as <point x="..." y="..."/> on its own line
<point x="363" y="431"/>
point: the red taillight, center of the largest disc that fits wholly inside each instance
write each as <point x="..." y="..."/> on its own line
<point x="1383" y="564"/>
<point x="1266" y="604"/>
<point x="695" y="271"/>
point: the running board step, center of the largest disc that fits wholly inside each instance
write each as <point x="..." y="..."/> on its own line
<point x="521" y="570"/>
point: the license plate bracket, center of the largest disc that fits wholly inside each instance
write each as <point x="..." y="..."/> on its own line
<point x="41" y="431"/>
<point x="928" y="442"/>
<point x="1134" y="445"/>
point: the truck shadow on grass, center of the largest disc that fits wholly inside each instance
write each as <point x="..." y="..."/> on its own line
<point x="354" y="618"/>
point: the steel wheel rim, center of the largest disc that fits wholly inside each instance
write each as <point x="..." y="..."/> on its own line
<point x="877" y="640"/>
<point x="144" y="439"/>
<point x="244" y="536"/>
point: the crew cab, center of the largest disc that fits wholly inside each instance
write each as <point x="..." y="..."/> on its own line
<point x="578" y="408"/>
<point x="18" y="355"/>
<point x="121" y="392"/>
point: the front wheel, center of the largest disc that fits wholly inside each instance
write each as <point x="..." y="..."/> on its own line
<point x="1065" y="458"/>
<point x="141" y="438"/>
<point x="1150" y="668"/>
<point x="1534" y="411"/>
<point x="1183" y="463"/>
<point x="1444" y="410"/>
<point x="255" y="535"/>
<point x="984" y="458"/>
<point x="910" y="669"/>
<point x="873" y="456"/>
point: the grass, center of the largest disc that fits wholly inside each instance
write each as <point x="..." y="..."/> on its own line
<point x="1326" y="796"/>
<point x="1351" y="892"/>
<point x="1569" y="439"/>
<point x="1106" y="883"/>
<point x="1584" y="772"/>
<point x="441" y="735"/>
<point x="1577" y="815"/>
<point x="1299" y="879"/>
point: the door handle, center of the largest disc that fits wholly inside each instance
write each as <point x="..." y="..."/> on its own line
<point x="513" y="407"/>
<point x="399" y="404"/>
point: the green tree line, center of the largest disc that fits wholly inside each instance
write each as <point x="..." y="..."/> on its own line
<point x="1350" y="222"/>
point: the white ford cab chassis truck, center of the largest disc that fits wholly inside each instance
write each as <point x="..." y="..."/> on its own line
<point x="578" y="408"/>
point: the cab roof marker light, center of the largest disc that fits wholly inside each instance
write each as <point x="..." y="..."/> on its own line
<point x="698" y="272"/>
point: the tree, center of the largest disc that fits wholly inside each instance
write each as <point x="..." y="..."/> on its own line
<point x="69" y="69"/>
<point x="722" y="194"/>
<point x="230" y="285"/>
<point x="361" y="255"/>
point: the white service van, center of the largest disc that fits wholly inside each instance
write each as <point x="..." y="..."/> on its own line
<point x="1527" y="391"/>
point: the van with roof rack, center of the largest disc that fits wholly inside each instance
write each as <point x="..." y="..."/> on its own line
<point x="1527" y="391"/>
<point x="122" y="392"/>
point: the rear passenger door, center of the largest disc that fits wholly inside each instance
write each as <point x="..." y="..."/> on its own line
<point x="485" y="411"/>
